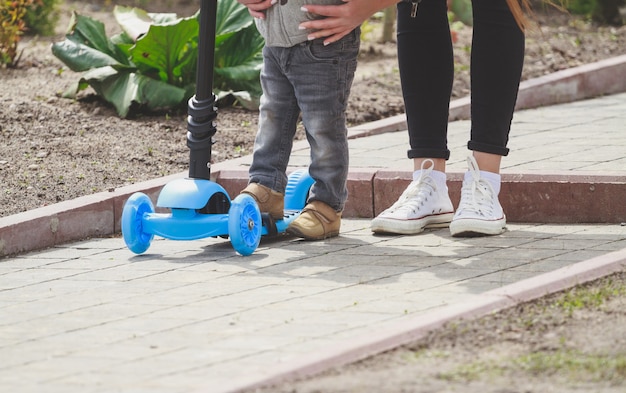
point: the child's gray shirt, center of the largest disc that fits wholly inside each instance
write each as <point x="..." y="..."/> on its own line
<point x="280" y="26"/>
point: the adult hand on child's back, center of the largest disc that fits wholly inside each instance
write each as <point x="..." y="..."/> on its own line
<point x="341" y="19"/>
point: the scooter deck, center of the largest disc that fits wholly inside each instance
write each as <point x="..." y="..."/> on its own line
<point x="273" y="227"/>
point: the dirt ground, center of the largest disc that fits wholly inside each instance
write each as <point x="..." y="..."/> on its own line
<point x="54" y="149"/>
<point x="571" y="342"/>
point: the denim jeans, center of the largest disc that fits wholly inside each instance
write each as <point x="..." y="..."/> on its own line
<point x="314" y="81"/>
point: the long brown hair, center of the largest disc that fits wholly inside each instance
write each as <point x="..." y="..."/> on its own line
<point x="519" y="9"/>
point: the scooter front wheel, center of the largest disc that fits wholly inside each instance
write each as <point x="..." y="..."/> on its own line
<point x="244" y="224"/>
<point x="135" y="208"/>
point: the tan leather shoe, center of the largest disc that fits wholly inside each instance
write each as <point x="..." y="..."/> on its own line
<point x="317" y="221"/>
<point x="269" y="201"/>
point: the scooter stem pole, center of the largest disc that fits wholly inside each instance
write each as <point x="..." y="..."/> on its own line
<point x="206" y="50"/>
<point x="201" y="107"/>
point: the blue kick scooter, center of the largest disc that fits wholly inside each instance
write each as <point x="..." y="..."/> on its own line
<point x="200" y="208"/>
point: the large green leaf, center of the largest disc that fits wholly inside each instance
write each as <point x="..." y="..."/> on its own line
<point x="244" y="98"/>
<point x="95" y="75"/>
<point x="124" y="89"/>
<point x="185" y="70"/>
<point x="231" y="18"/>
<point x="240" y="48"/>
<point x="239" y="60"/>
<point x="90" y="32"/>
<point x="123" y="42"/>
<point x="134" y="22"/>
<point x="79" y="57"/>
<point x="163" y="17"/>
<point x="163" y="48"/>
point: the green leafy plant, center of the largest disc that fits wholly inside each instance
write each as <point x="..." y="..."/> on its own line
<point x="42" y="17"/>
<point x="152" y="63"/>
<point x="601" y="11"/>
<point x="12" y="26"/>
<point x="581" y="7"/>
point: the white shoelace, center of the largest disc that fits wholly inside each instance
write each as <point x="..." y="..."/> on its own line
<point x="477" y="194"/>
<point x="413" y="198"/>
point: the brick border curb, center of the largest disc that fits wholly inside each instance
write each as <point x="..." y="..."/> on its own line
<point x="99" y="214"/>
<point x="582" y="197"/>
<point x="419" y="326"/>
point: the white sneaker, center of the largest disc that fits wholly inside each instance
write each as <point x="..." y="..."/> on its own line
<point x="424" y="204"/>
<point x="479" y="212"/>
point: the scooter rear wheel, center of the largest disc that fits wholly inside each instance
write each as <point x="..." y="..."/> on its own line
<point x="244" y="224"/>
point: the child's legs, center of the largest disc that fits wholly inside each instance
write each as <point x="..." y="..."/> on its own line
<point x="322" y="77"/>
<point x="278" y="116"/>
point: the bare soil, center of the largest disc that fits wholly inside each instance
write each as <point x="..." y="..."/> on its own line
<point x="54" y="149"/>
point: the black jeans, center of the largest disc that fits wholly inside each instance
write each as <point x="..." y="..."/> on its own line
<point x="426" y="66"/>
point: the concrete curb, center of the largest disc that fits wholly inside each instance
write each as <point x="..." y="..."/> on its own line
<point x="99" y="214"/>
<point x="418" y="327"/>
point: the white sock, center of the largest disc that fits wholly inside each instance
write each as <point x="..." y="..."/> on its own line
<point x="494" y="179"/>
<point x="438" y="176"/>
